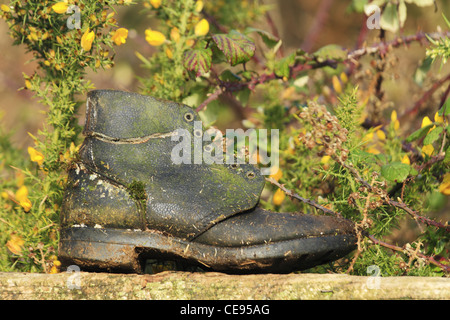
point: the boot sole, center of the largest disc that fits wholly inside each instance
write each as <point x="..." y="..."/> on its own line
<point x="118" y="250"/>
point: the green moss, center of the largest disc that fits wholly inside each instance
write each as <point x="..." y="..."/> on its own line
<point x="138" y="193"/>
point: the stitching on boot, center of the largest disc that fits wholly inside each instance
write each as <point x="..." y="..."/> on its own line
<point x="113" y="140"/>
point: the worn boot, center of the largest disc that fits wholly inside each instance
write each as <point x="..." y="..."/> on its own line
<point x="127" y="201"/>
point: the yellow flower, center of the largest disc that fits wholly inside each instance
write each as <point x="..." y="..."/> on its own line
<point x="36" y="156"/>
<point x="438" y="118"/>
<point x="278" y="197"/>
<point x="336" y="84"/>
<point x="381" y="135"/>
<point x="87" y="39"/>
<point x="444" y="188"/>
<point x="54" y="270"/>
<point x="393" y="116"/>
<point x="199" y="6"/>
<point x="169" y="53"/>
<point x="406" y="160"/>
<point x="394" y="120"/>
<point x="5" y="8"/>
<point x="190" y="42"/>
<point x="60" y="7"/>
<point x="344" y="77"/>
<point x="202" y="27"/>
<point x="155" y="3"/>
<point x="120" y="36"/>
<point x="373" y="150"/>
<point x="22" y="198"/>
<point x="154" y="38"/>
<point x="277" y="175"/>
<point x="368" y="137"/>
<point x="428" y="150"/>
<point x="426" y="122"/>
<point x="175" y="34"/>
<point x="325" y="159"/>
<point x="15" y="244"/>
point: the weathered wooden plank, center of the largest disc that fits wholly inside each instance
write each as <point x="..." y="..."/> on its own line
<point x="185" y="285"/>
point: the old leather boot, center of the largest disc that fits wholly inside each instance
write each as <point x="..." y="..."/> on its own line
<point x="127" y="201"/>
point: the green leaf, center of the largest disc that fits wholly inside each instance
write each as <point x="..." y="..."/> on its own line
<point x="269" y="39"/>
<point x="236" y="47"/>
<point x="433" y="135"/>
<point x="421" y="72"/>
<point x="418" y="134"/>
<point x="447" y="156"/>
<point x="389" y="18"/>
<point x="332" y="52"/>
<point x="395" y="171"/>
<point x="283" y="66"/>
<point x="445" y="107"/>
<point x="198" y="60"/>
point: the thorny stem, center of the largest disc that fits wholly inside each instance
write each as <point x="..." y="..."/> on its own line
<point x="430" y="259"/>
<point x="298" y="197"/>
<point x="436" y="85"/>
<point x="380" y="48"/>
<point x="213" y="96"/>
<point x="361" y="231"/>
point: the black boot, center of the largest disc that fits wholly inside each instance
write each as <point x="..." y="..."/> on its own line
<point x="126" y="200"/>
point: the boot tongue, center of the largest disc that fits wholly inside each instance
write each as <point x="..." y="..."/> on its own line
<point x="129" y="141"/>
<point x="126" y="115"/>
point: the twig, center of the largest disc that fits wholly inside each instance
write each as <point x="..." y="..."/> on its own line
<point x="436" y="85"/>
<point x="430" y="259"/>
<point x="213" y="96"/>
<point x="384" y="46"/>
<point x="413" y="214"/>
<point x="298" y="197"/>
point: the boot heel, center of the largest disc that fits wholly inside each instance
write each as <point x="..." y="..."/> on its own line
<point x="95" y="255"/>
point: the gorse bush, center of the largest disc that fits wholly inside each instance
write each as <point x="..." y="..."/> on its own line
<point x="345" y="148"/>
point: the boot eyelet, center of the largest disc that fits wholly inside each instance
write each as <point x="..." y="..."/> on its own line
<point x="188" y="116"/>
<point x="251" y="175"/>
<point x="198" y="133"/>
<point x="208" y="148"/>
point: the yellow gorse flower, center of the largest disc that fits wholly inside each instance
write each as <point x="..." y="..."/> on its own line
<point x="406" y="160"/>
<point x="444" y="188"/>
<point x="154" y="38"/>
<point x="202" y="27"/>
<point x="36" y="156"/>
<point x="325" y="159"/>
<point x="22" y="198"/>
<point x="175" y="34"/>
<point x="426" y="122"/>
<point x="427" y="150"/>
<point x="87" y="39"/>
<point x="155" y="3"/>
<point x="5" y="8"/>
<point x="277" y="175"/>
<point x="336" y="84"/>
<point x="60" y="7"/>
<point x="15" y="244"/>
<point x="438" y="118"/>
<point x="199" y="6"/>
<point x="120" y="36"/>
<point x="394" y="120"/>
<point x="278" y="197"/>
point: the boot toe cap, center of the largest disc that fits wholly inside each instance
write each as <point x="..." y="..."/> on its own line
<point x="260" y="226"/>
